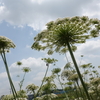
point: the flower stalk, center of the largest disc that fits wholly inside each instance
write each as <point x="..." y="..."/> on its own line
<point x="77" y="69"/>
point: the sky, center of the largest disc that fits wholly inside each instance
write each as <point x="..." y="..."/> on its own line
<point x="22" y="20"/>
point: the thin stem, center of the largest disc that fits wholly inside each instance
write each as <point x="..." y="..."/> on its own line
<point x="80" y="62"/>
<point x="77" y="69"/>
<point x="21" y="82"/>
<point x="43" y="79"/>
<point x="8" y="73"/>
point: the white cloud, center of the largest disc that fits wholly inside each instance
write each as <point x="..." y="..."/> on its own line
<point x="28" y="46"/>
<point x="38" y="78"/>
<point x="92" y="9"/>
<point x="38" y="68"/>
<point x="3" y="75"/>
<point x="90" y="47"/>
<point x="31" y="33"/>
<point x="94" y="56"/>
<point x="4" y="85"/>
<point x="33" y="63"/>
<point x="90" y="51"/>
<point x="5" y="88"/>
<point x="36" y="13"/>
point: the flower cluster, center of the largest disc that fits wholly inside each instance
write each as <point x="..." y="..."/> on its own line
<point x="95" y="81"/>
<point x="5" y="44"/>
<point x="47" y="97"/>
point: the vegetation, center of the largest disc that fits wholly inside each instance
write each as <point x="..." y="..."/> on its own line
<point x="5" y="45"/>
<point x="61" y="36"/>
<point x="25" y="70"/>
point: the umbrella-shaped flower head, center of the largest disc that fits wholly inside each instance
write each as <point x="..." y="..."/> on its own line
<point x="26" y="69"/>
<point x="5" y="44"/>
<point x="73" y="77"/>
<point x="32" y="87"/>
<point x="66" y="30"/>
<point x="95" y="81"/>
<point x="56" y="70"/>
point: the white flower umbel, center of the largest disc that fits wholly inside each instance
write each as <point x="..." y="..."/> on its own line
<point x="47" y="97"/>
<point x="6" y="44"/>
<point x="95" y="81"/>
<point x="38" y="98"/>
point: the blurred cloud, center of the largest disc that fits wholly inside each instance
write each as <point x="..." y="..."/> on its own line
<point x="3" y="75"/>
<point x="90" y="47"/>
<point x="33" y="63"/>
<point x="36" y="13"/>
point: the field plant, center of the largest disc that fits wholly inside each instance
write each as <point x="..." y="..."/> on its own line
<point x="25" y="70"/>
<point x="60" y="36"/>
<point x="5" y="45"/>
<point x="56" y="71"/>
<point x="70" y="83"/>
<point x="48" y="61"/>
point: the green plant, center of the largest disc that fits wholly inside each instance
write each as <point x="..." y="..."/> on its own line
<point x="25" y="70"/>
<point x="62" y="35"/>
<point x="31" y="88"/>
<point x="56" y="71"/>
<point x="47" y="61"/>
<point x="5" y="45"/>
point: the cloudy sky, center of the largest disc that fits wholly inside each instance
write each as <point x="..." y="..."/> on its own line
<point x="21" y="20"/>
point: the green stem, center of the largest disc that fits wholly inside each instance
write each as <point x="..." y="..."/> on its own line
<point x="8" y="73"/>
<point x="77" y="69"/>
<point x="43" y="80"/>
<point x="21" y="82"/>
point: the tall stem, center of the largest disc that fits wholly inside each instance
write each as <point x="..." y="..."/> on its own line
<point x="21" y="82"/>
<point x="43" y="79"/>
<point x="77" y="69"/>
<point x="8" y="73"/>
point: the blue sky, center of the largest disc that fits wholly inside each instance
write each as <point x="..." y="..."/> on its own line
<point x="21" y="20"/>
